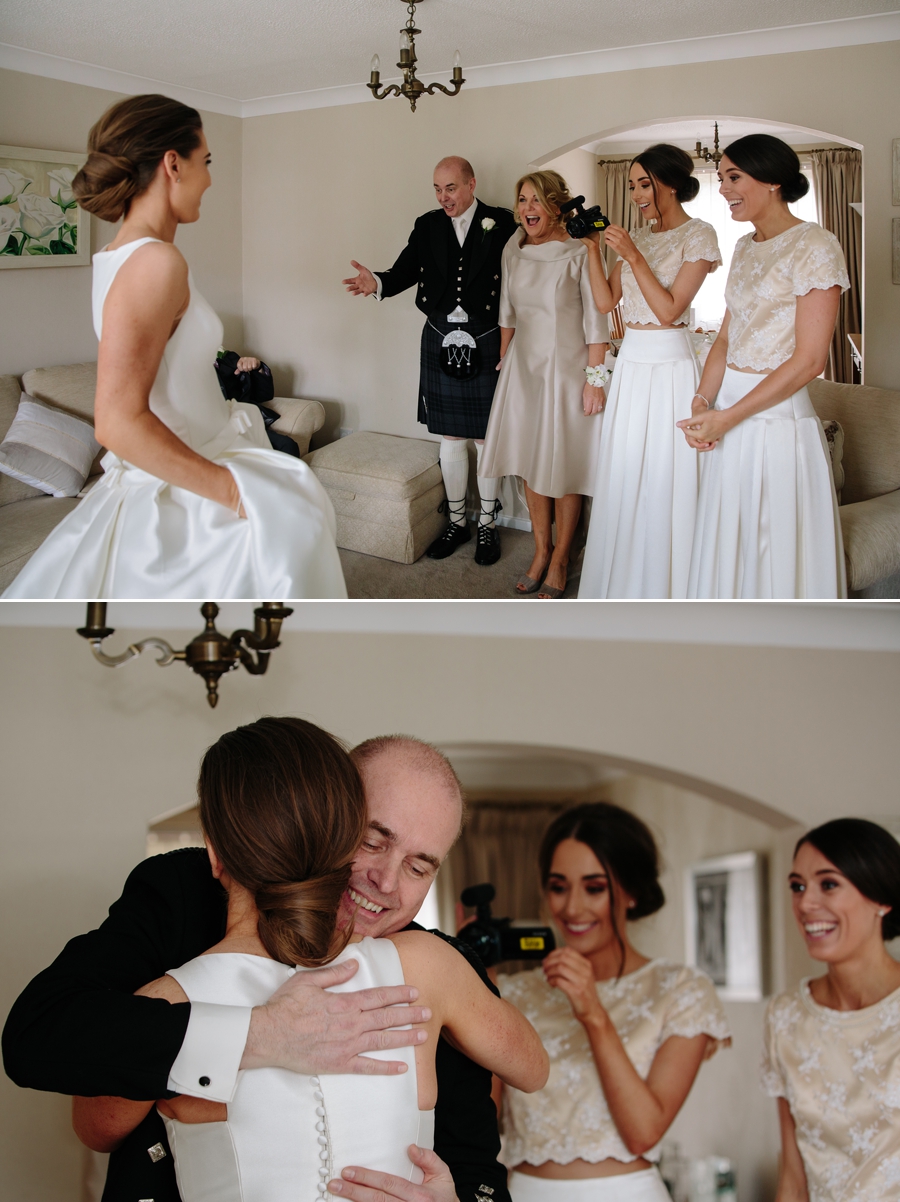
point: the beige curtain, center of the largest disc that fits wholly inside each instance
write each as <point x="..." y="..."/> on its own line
<point x="837" y="177"/>
<point x="614" y="199"/>
<point x="500" y="844"/>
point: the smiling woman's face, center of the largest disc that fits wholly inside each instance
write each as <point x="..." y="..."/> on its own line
<point x="579" y="894"/>
<point x="747" y="198"/>
<point x="535" y="219"/>
<point x="640" y="187"/>
<point x="834" y="918"/>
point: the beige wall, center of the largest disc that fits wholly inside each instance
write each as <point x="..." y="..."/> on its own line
<point x="47" y="311"/>
<point x="90" y="756"/>
<point x="324" y="186"/>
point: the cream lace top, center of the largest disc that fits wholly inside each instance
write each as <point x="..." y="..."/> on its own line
<point x="665" y="253"/>
<point x="840" y="1073"/>
<point x="569" y="1119"/>
<point x="763" y="285"/>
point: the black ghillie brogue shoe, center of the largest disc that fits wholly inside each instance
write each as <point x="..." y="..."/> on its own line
<point x="454" y="536"/>
<point x="488" y="550"/>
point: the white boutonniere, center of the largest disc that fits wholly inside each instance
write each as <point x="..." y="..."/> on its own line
<point x="487" y="224"/>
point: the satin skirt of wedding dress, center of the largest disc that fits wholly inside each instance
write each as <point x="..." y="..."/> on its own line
<point x="645" y="491"/>
<point x="767" y="516"/>
<point x="135" y="536"/>
<point x="287" y="1134"/>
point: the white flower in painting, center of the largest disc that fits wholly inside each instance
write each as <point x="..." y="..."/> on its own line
<point x="39" y="216"/>
<point x="9" y="220"/>
<point x="488" y="223"/>
<point x="12" y="184"/>
<point x="61" y="185"/>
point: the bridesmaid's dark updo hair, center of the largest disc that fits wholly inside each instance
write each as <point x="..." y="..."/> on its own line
<point x="282" y="805"/>
<point x="672" y="167"/>
<point x="868" y="856"/>
<point x="126" y="146"/>
<point x="623" y="845"/>
<point x="770" y="161"/>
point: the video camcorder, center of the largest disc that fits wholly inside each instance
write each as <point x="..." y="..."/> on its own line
<point x="496" y="939"/>
<point x="583" y="221"/>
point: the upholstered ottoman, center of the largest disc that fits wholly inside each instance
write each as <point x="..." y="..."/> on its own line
<point x="385" y="490"/>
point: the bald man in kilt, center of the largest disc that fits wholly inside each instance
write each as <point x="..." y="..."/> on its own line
<point x="453" y="260"/>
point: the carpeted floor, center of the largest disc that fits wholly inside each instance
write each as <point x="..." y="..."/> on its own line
<point x="455" y="578"/>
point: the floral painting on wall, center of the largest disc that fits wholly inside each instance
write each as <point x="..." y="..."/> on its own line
<point x="41" y="224"/>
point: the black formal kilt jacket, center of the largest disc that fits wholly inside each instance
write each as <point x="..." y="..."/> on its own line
<point x="446" y="405"/>
<point x="78" y="1029"/>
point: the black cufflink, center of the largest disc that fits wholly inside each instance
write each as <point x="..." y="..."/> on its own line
<point x="203" y="1081"/>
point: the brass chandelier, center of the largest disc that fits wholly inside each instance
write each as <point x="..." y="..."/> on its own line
<point x="210" y="654"/>
<point x="412" y="87"/>
<point x="704" y="154"/>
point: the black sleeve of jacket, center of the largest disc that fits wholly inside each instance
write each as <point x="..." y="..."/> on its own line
<point x="77" y="1029"/>
<point x="405" y="271"/>
<point x="466" y="1135"/>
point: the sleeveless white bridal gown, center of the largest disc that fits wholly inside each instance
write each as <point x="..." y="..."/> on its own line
<point x="134" y="535"/>
<point x="287" y="1134"/>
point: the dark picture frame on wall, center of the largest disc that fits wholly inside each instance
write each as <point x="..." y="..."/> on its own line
<point x="725" y="923"/>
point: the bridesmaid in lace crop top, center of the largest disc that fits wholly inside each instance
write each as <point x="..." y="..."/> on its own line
<point x="283" y="813"/>
<point x="645" y="490"/>
<point x="832" y="1046"/>
<point x="767" y="518"/>
<point x="626" y="1035"/>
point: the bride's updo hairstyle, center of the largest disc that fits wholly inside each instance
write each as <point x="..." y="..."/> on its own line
<point x="672" y="167"/>
<point x="868" y="856"/>
<point x="283" y="806"/>
<point x="625" y="848"/>
<point x="127" y="145"/>
<point x="551" y="190"/>
<point x="770" y="161"/>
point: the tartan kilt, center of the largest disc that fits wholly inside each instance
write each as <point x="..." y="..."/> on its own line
<point x="457" y="407"/>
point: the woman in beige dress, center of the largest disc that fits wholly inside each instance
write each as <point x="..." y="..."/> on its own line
<point x="544" y="424"/>
<point x="626" y="1035"/>
<point x="832" y="1045"/>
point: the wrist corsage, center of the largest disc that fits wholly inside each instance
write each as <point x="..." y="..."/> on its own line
<point x="598" y="377"/>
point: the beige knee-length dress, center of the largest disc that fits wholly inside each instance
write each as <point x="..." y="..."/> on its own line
<point x="538" y="429"/>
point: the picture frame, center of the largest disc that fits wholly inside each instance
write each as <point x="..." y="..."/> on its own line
<point x="725" y="923"/>
<point x="41" y="224"/>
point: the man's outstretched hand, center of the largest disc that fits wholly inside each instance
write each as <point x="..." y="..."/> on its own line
<point x="307" y="1030"/>
<point x="363" y="284"/>
<point x="365" y="1185"/>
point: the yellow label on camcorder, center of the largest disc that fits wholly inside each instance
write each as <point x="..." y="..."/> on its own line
<point x="532" y="943"/>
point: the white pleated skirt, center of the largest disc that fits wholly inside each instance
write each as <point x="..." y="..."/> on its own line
<point x="645" y="491"/>
<point x="646" y="1185"/>
<point x="767" y="517"/>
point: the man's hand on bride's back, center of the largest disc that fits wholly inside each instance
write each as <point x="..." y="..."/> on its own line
<point x="366" y="1185"/>
<point x="308" y="1030"/>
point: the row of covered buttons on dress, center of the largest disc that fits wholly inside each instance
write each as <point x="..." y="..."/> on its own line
<point x="323" y="1138"/>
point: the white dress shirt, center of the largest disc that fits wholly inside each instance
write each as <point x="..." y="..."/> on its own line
<point x="461" y="225"/>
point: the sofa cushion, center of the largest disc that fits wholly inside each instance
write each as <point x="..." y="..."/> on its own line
<point x="11" y="490"/>
<point x="24" y="527"/>
<point x="48" y="449"/>
<point x="870" y="418"/>
<point x="871" y="531"/>
<point x="70" y="388"/>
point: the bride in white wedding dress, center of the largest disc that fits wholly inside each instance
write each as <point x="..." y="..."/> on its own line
<point x="193" y="501"/>
<point x="283" y="812"/>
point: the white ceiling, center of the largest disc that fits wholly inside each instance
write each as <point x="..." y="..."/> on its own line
<point x="857" y="626"/>
<point x="232" y="53"/>
<point x="685" y="133"/>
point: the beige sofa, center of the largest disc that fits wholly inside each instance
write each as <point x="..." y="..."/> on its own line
<point x="870" y="497"/>
<point x="26" y="515"/>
